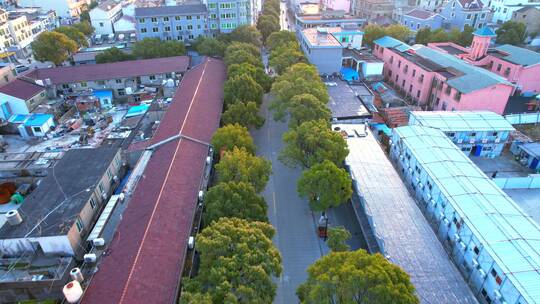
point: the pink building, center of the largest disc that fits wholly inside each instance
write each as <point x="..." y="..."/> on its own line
<point x="337" y="5"/>
<point x="519" y="66"/>
<point x="437" y="80"/>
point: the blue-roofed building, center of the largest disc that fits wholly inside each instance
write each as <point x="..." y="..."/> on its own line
<point x="105" y="98"/>
<point x="480" y="133"/>
<point x="32" y="125"/>
<point x="492" y="241"/>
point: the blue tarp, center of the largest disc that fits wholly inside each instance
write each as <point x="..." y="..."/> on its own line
<point x="31" y="120"/>
<point x="382" y="127"/>
<point x="349" y="74"/>
<point x="137" y="110"/>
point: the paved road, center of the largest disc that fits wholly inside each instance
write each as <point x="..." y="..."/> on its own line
<point x="290" y="215"/>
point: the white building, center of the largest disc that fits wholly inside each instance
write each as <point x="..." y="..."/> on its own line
<point x="104" y="16"/>
<point x="20" y="97"/>
<point x="17" y="31"/>
<point x="63" y="8"/>
<point x="503" y="9"/>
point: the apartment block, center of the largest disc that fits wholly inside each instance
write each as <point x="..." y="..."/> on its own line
<point x="64" y="8"/>
<point x="225" y="16"/>
<point x="492" y="241"/>
<point x="103" y="17"/>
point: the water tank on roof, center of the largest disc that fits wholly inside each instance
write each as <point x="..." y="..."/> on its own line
<point x="73" y="291"/>
<point x="76" y="274"/>
<point x="13" y="217"/>
<point x="129" y="90"/>
<point x="90" y="258"/>
<point x="99" y="242"/>
<point x="169" y="83"/>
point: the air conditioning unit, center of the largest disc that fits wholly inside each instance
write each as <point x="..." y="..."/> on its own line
<point x="446" y="221"/>
<point x="497" y="140"/>
<point x="463" y="246"/>
<point x="115" y="178"/>
<point x="472" y="141"/>
<point x="497" y="294"/>
<point x="441" y="216"/>
<point x="428" y="196"/>
<point x="456" y="237"/>
<point x="433" y="203"/>
<point x="460" y="140"/>
<point x="482" y="273"/>
<point x="420" y="185"/>
<point x="475" y="263"/>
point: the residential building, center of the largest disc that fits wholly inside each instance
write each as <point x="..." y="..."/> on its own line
<point x="458" y="13"/>
<point x="103" y="17"/>
<point x="123" y="78"/>
<point x="429" y="5"/>
<point x="18" y="29"/>
<point x="225" y="15"/>
<point x="503" y="10"/>
<point x="20" y="96"/>
<point x="397" y="228"/>
<point x="337" y="5"/>
<point x="418" y="19"/>
<point x="479" y="133"/>
<point x="436" y="80"/>
<point x="51" y="234"/>
<point x="182" y="22"/>
<point x="528" y="154"/>
<point x="373" y="9"/>
<point x="33" y="125"/>
<point x="492" y="241"/>
<point x="65" y="9"/>
<point x="519" y="66"/>
<point x="530" y="16"/>
<point x="324" y="47"/>
<point x="326" y="19"/>
<point x="155" y="228"/>
<point x="7" y="73"/>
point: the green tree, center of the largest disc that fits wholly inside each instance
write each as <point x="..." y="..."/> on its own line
<point x="325" y="185"/>
<point x="511" y="32"/>
<point x="85" y="16"/>
<point x="113" y="55"/>
<point x="337" y="238"/>
<point x="195" y="297"/>
<point x="373" y="32"/>
<point x="210" y="46"/>
<point x="232" y="199"/>
<point x="277" y="39"/>
<point x="439" y="35"/>
<point x="156" y="48"/>
<point x="242" y="88"/>
<point x="239" y="165"/>
<point x="285" y="56"/>
<point x="356" y="277"/>
<point x="466" y="36"/>
<point x="272" y="11"/>
<point x="230" y="136"/>
<point x="246" y="33"/>
<point x="311" y="143"/>
<point x="400" y="32"/>
<point x="242" y="56"/>
<point x="423" y="35"/>
<point x="255" y="72"/>
<point x="53" y="46"/>
<point x="267" y="24"/>
<point x="84" y="27"/>
<point x="306" y="107"/>
<point x="238" y="260"/>
<point x="298" y="79"/>
<point x="243" y="46"/>
<point x="243" y="113"/>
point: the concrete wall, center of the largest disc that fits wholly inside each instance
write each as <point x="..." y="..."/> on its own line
<point x="17" y="106"/>
<point x="327" y="60"/>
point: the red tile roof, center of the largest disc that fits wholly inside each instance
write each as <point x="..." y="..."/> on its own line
<point x="104" y="71"/>
<point x="146" y="256"/>
<point x="21" y="89"/>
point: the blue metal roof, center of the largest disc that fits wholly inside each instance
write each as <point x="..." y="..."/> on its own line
<point x="37" y="120"/>
<point x="485" y="32"/>
<point x="390" y="42"/>
<point x="474" y="121"/>
<point x="103" y="94"/>
<point x="473" y="78"/>
<point x="519" y="55"/>
<point x="509" y="235"/>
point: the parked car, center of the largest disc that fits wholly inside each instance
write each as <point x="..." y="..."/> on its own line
<point x="21" y="68"/>
<point x="98" y="39"/>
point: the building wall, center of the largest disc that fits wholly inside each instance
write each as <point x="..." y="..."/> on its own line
<point x="525" y="78"/>
<point x="36" y="100"/>
<point x="415" y="23"/>
<point x="63" y="8"/>
<point x="16" y="105"/>
<point x="474" y="262"/>
<point x="337" y="5"/>
<point x="225" y="16"/>
<point x="100" y="196"/>
<point x="531" y="18"/>
<point x="457" y="16"/>
<point x="103" y="21"/>
<point x="7" y="74"/>
<point x="183" y="28"/>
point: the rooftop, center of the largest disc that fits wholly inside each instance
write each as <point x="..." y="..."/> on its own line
<point x="146" y="257"/>
<point x="519" y="55"/>
<point x="104" y="71"/>
<point x="509" y="235"/>
<point x="470" y="79"/>
<point x="390" y="42"/>
<point x="184" y="9"/>
<point x="471" y="4"/>
<point x="406" y="235"/>
<point x="532" y="149"/>
<point x="21" y="89"/>
<point x="108" y="5"/>
<point x="461" y="120"/>
<point x="420" y="14"/>
<point x="344" y="104"/>
<point x="320" y="37"/>
<point x="31" y="120"/>
<point x="61" y="194"/>
<point x="485" y="32"/>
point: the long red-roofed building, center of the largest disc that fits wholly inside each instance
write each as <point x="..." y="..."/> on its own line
<point x="147" y="253"/>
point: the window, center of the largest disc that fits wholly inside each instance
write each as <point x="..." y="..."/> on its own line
<point x="483" y="16"/>
<point x="403" y="84"/>
<point x="495" y="134"/>
<point x="141" y="20"/>
<point x="178" y="27"/>
<point x="198" y="26"/>
<point x="418" y="94"/>
<point x="444" y="106"/>
<point x="499" y="66"/>
<point x="101" y="24"/>
<point x="469" y="16"/>
<point x="406" y="69"/>
<point x="413" y="72"/>
<point x="37" y="129"/>
<point x="190" y="37"/>
<point x="473" y="134"/>
<point x="212" y="5"/>
<point x="198" y="17"/>
<point x="418" y="26"/>
<point x="213" y="16"/>
<point x="176" y="17"/>
<point x="101" y="189"/>
<point x="118" y="80"/>
<point x="410" y="88"/>
<point x="180" y="37"/>
<point x="100" y="82"/>
<point x="397" y="78"/>
<point x="448" y="90"/>
<point x="154" y="19"/>
<point x="121" y="92"/>
<point x="453" y="15"/>
<point x="155" y="29"/>
<point x="65" y="86"/>
<point x="165" y="18"/>
<point x="152" y="77"/>
<point x="93" y="203"/>
<point x="190" y="27"/>
<point x="421" y="79"/>
<point x="476" y="250"/>
<point x="84" y="84"/>
<point x="189" y="17"/>
<point x="167" y="29"/>
<point x="399" y="63"/>
<point x="79" y="223"/>
<point x="507" y="72"/>
<point x="143" y="30"/>
<point x="213" y="26"/>
<point x="457" y="97"/>
<point x="451" y="134"/>
<point x="391" y="59"/>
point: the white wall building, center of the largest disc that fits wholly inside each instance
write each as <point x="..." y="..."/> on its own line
<point x="63" y="8"/>
<point x="104" y="16"/>
<point x="503" y="9"/>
